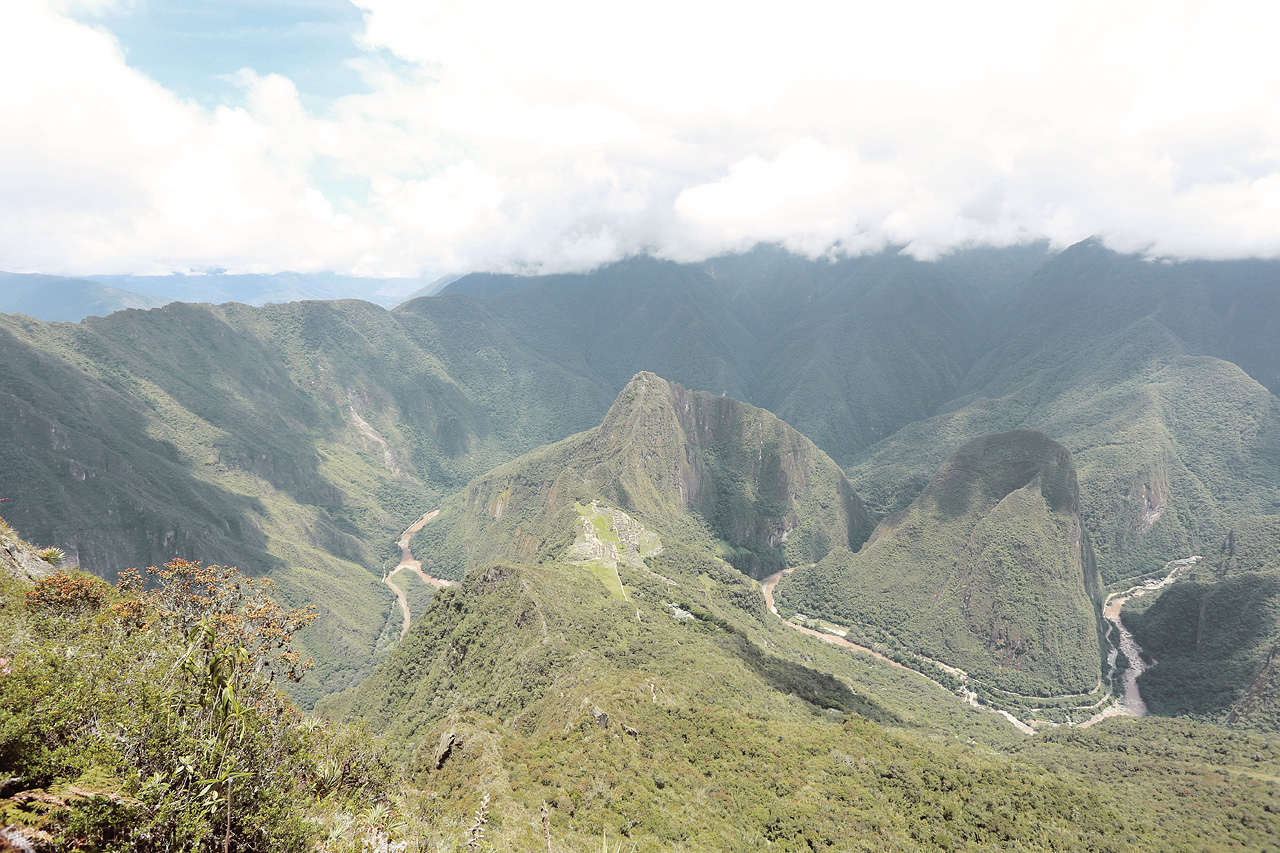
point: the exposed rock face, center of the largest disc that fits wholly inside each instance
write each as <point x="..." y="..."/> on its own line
<point x="448" y="740"/>
<point x="19" y="559"/>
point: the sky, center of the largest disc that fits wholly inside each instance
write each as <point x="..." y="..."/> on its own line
<point x="413" y="137"/>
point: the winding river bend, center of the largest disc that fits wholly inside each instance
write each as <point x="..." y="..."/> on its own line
<point x="408" y="561"/>
<point x="1130" y="702"/>
<point x="767" y="585"/>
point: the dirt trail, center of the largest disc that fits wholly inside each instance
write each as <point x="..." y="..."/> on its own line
<point x="407" y="561"/>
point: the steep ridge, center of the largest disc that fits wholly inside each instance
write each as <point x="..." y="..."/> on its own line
<point x="699" y="467"/>
<point x="1215" y="635"/>
<point x="988" y="570"/>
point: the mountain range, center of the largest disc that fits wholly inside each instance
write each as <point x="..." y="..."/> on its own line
<point x="299" y="439"/>
<point x="534" y="515"/>
<point x="64" y="299"/>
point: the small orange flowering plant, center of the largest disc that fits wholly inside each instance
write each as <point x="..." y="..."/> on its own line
<point x="67" y="594"/>
<point x="237" y="614"/>
<point x="165" y="687"/>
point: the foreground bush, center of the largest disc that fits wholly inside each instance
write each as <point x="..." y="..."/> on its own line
<point x="149" y="720"/>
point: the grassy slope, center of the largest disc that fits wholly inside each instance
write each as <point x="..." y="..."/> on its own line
<point x="988" y="570"/>
<point x="1215" y="633"/>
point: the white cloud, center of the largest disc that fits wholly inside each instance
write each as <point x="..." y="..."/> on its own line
<point x="566" y="133"/>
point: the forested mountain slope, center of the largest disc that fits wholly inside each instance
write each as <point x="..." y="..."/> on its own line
<point x="690" y="466"/>
<point x="845" y="351"/>
<point x="1106" y="354"/>
<point x="988" y="570"/>
<point x="1215" y="634"/>
<point x="709" y="725"/>
<point x="293" y="440"/>
<point x="300" y="439"/>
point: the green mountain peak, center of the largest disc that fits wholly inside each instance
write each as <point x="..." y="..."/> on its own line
<point x="687" y="464"/>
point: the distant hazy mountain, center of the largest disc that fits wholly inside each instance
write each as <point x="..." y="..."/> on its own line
<point x="259" y="289"/>
<point x="430" y="289"/>
<point x="69" y="300"/>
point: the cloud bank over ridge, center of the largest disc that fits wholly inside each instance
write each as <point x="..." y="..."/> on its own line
<point x="561" y="135"/>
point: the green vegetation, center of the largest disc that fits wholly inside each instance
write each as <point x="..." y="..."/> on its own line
<point x="532" y="704"/>
<point x="297" y="440"/>
<point x="418" y="592"/>
<point x="233" y="436"/>
<point x="54" y="298"/>
<point x="147" y="721"/>
<point x="988" y="570"/>
<point x="730" y="732"/>
<point x="1215" y="633"/>
<point x="687" y="465"/>
<point x="1106" y="354"/>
